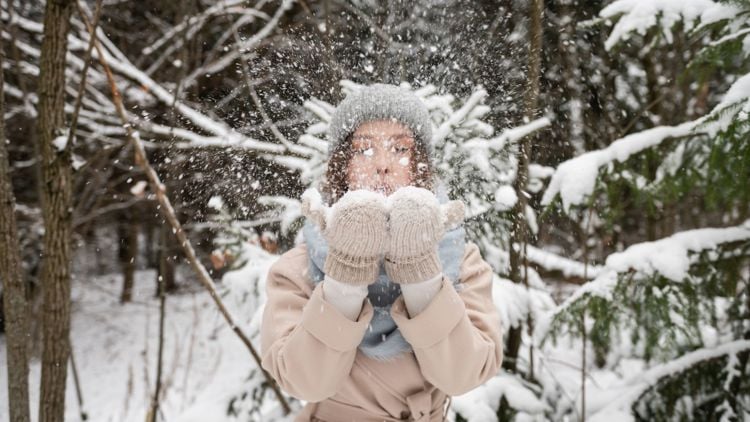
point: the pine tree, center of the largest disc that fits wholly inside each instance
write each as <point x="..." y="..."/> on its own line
<point x="680" y="303"/>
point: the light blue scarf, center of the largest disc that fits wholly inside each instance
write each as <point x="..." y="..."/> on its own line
<point x="383" y="340"/>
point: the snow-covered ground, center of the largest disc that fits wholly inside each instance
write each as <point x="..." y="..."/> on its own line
<point x="116" y="345"/>
<point x="205" y="365"/>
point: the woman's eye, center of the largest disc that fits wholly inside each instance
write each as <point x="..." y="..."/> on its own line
<point x="363" y="151"/>
<point x="402" y="150"/>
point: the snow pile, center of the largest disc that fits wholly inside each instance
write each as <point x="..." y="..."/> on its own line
<point x="505" y="197"/>
<point x="481" y="404"/>
<point x="60" y="142"/>
<point x="515" y="302"/>
<point x="216" y="202"/>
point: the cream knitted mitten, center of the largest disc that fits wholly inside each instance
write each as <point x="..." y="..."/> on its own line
<point x="356" y="230"/>
<point x="417" y="223"/>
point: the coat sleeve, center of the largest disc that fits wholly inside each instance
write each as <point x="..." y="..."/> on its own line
<point x="307" y="345"/>
<point x="457" y="338"/>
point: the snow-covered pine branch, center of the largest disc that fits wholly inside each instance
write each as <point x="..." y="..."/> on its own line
<point x="568" y="267"/>
<point x="634" y="16"/>
<point x="576" y="179"/>
<point x="672" y="269"/>
<point x="634" y="389"/>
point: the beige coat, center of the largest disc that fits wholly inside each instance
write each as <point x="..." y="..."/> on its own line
<point x="310" y="348"/>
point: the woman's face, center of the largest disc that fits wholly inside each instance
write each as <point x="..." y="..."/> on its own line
<point x="382" y="151"/>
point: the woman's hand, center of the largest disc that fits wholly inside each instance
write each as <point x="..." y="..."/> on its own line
<point x="356" y="228"/>
<point x="417" y="223"/>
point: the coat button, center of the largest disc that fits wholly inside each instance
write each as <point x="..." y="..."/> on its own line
<point x="405" y="414"/>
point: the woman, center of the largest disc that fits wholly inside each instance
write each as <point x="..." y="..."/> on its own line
<point x="384" y="311"/>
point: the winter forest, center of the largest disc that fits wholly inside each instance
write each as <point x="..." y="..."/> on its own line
<point x="154" y="157"/>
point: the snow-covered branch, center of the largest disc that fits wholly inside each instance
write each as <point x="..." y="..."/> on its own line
<point x="553" y="262"/>
<point x="575" y="179"/>
<point x="669" y="257"/>
<point x="640" y="16"/>
<point x="620" y="407"/>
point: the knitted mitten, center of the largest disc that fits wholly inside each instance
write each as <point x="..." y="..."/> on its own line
<point x="417" y="223"/>
<point x="356" y="230"/>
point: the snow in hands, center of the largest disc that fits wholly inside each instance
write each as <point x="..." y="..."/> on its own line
<point x="313" y="206"/>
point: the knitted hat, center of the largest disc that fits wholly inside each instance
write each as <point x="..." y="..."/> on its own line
<point x="380" y="101"/>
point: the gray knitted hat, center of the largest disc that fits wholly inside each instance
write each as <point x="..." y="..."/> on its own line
<point x="380" y="101"/>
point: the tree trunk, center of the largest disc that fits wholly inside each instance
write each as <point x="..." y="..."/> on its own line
<point x="154" y="408"/>
<point x="14" y="291"/>
<point x="166" y="271"/>
<point x="150" y="248"/>
<point x="572" y="77"/>
<point x="128" y="252"/>
<point x="519" y="235"/>
<point x="56" y="205"/>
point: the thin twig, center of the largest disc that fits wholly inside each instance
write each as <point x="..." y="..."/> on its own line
<point x="153" y="411"/>
<point x="559" y="384"/>
<point x="583" y="366"/>
<point x="640" y="114"/>
<point x="79" y="393"/>
<point x="583" y="313"/>
<point x="82" y="85"/>
<point x="254" y="95"/>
